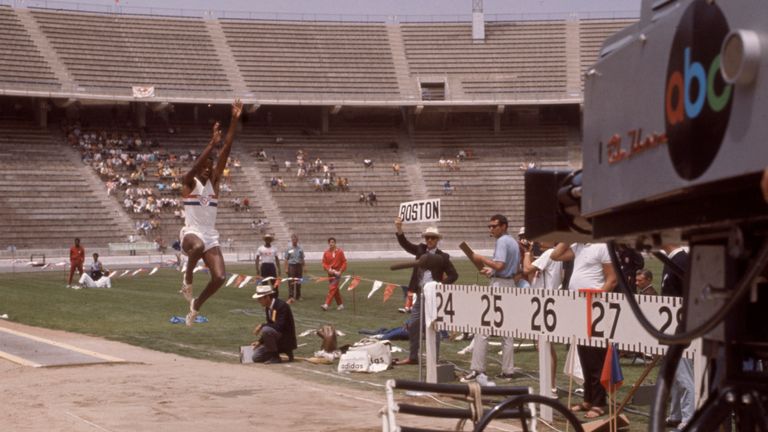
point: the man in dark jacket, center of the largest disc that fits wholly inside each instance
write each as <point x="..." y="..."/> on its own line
<point x="278" y="334"/>
<point x="438" y="270"/>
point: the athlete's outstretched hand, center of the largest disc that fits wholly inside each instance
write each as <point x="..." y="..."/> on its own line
<point x="216" y="137"/>
<point x="237" y="109"/>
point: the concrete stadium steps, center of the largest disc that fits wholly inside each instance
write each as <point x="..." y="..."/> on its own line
<point x="522" y="57"/>
<point x="492" y="181"/>
<point x="329" y="58"/>
<point x="315" y="216"/>
<point x="44" y="197"/>
<point x="21" y="62"/>
<point x="111" y="52"/>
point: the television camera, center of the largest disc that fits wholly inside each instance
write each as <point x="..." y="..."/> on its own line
<point x="673" y="151"/>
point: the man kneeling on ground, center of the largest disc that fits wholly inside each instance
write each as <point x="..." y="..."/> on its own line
<point x="278" y="334"/>
<point x="97" y="277"/>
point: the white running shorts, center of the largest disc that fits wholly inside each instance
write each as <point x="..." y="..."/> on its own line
<point x="210" y="240"/>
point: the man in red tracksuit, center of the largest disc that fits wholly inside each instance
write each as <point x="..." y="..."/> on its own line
<point x="334" y="263"/>
<point x="76" y="260"/>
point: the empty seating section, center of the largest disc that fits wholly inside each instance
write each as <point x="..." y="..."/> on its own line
<point x="490" y="181"/>
<point x="45" y="200"/>
<point x="111" y="53"/>
<point x="22" y="66"/>
<point x="592" y="35"/>
<point x="332" y="61"/>
<point x="315" y="215"/>
<point x="515" y="58"/>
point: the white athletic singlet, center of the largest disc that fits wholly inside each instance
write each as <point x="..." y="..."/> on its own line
<point x="200" y="208"/>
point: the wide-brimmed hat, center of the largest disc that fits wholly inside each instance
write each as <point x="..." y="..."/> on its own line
<point x="263" y="290"/>
<point x="432" y="232"/>
<point x="266" y="236"/>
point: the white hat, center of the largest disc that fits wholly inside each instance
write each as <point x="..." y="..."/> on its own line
<point x="268" y="236"/>
<point x="431" y="232"/>
<point x="263" y="290"/>
<point x="521" y="232"/>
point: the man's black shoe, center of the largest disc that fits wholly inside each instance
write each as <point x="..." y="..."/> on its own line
<point x="275" y="359"/>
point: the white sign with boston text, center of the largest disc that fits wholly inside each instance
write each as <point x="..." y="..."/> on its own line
<point x="420" y="211"/>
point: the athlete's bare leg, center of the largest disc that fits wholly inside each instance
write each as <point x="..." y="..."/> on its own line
<point x="193" y="247"/>
<point x="214" y="259"/>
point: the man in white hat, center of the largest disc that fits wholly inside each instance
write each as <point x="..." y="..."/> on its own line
<point x="268" y="260"/>
<point x="278" y="334"/>
<point x="439" y="271"/>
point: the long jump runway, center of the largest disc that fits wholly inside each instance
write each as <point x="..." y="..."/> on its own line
<point x="28" y="350"/>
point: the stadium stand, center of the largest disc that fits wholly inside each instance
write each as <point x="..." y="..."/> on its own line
<point x="316" y="215"/>
<point x="22" y="66"/>
<point x="45" y="197"/>
<point x="490" y="180"/>
<point x="327" y="60"/>
<point x="515" y="59"/>
<point x="306" y="63"/>
<point x="111" y="53"/>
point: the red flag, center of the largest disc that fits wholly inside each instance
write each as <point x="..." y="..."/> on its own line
<point x="355" y="282"/>
<point x="388" y="290"/>
<point x="611" y="377"/>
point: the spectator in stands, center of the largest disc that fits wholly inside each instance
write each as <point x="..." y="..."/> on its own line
<point x="261" y="155"/>
<point x="287" y="165"/>
<point x="368" y="163"/>
<point x="644" y="282"/>
<point x="440" y="270"/>
<point x="246" y="204"/>
<point x="200" y="240"/>
<point x="363" y="199"/>
<point x="447" y="188"/>
<point x="345" y="186"/>
<point x="273" y="183"/>
<point x="280" y="184"/>
<point x="97" y="277"/>
<point x="372" y="198"/>
<point x="442" y="163"/>
<point x="259" y="225"/>
<point x="396" y="169"/>
<point x="278" y="334"/>
<point x="461" y="155"/>
<point x="268" y="260"/>
<point x="294" y="257"/>
<point x="592" y="268"/>
<point x="334" y="263"/>
<point x="273" y="165"/>
<point x="236" y="203"/>
<point x="76" y="260"/>
<point x="317" y="184"/>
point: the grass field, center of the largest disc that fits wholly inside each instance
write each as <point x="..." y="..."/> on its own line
<point x="137" y="311"/>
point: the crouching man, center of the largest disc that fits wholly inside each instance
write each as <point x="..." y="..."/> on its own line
<point x="97" y="277"/>
<point x="278" y="334"/>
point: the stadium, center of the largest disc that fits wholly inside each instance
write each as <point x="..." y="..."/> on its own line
<point x="100" y="113"/>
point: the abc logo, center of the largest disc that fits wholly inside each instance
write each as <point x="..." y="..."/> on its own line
<point x="697" y="102"/>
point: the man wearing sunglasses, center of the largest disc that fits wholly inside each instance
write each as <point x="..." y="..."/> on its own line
<point x="501" y="269"/>
<point x="438" y="271"/>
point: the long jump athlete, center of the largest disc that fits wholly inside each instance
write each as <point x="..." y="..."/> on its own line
<point x="200" y="193"/>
